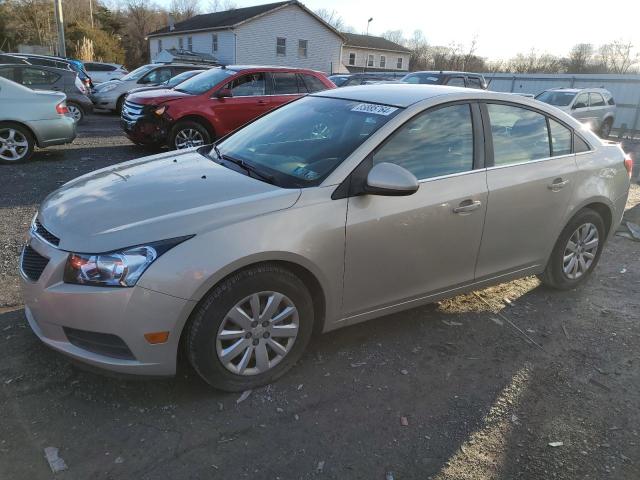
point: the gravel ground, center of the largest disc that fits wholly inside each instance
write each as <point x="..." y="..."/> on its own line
<point x="447" y="391"/>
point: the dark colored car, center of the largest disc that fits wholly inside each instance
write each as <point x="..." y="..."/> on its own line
<point x="58" y="62"/>
<point x="171" y="83"/>
<point x="56" y="79"/>
<point x="453" y="79"/>
<point x="214" y="103"/>
<point x="349" y="80"/>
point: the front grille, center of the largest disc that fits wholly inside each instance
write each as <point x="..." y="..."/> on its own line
<point x="32" y="263"/>
<point x="46" y="234"/>
<point x="132" y="112"/>
<point x="101" y="343"/>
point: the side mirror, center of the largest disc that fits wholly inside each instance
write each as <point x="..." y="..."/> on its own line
<point x="224" y="93"/>
<point x="390" y="179"/>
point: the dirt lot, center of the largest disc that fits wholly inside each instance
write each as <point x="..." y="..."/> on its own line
<point x="448" y="391"/>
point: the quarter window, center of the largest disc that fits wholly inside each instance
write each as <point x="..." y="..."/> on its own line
<point x="302" y="48"/>
<point x="383" y="61"/>
<point x="281" y="46"/>
<point x="369" y="60"/>
<point x="251" y="85"/>
<point x="214" y="42"/>
<point x="596" y="100"/>
<point x="432" y="144"/>
<point x="352" y="58"/>
<point x="284" y="83"/>
<point x="560" y="139"/>
<point x="519" y="135"/>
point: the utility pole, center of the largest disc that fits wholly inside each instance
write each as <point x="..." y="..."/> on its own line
<point x="366" y="59"/>
<point x="62" y="50"/>
<point x="91" y="11"/>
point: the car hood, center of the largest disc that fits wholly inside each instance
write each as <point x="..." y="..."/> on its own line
<point x="156" y="96"/>
<point x="155" y="198"/>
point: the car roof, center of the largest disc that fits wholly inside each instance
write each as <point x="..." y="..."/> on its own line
<point x="576" y="90"/>
<point x="60" y="71"/>
<point x="393" y="94"/>
<point x="446" y="72"/>
<point x="239" y="68"/>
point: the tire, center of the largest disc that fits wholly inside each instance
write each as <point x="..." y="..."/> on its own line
<point x="605" y="129"/>
<point x="76" y="111"/>
<point x="119" y="105"/>
<point x="204" y="344"/>
<point x="560" y="273"/>
<point x="16" y="143"/>
<point x="188" y="134"/>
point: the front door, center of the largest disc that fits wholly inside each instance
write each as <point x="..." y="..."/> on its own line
<point x="580" y="109"/>
<point x="402" y="248"/>
<point x="530" y="187"/>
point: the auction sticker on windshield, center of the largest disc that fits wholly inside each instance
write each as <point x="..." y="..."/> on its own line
<point x="373" y="108"/>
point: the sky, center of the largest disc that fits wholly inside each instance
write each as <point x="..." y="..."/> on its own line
<point x="501" y="28"/>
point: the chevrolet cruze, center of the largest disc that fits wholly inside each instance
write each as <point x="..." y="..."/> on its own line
<point x="336" y="208"/>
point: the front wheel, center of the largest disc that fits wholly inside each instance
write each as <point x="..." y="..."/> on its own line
<point x="576" y="252"/>
<point x="251" y="328"/>
<point x="188" y="134"/>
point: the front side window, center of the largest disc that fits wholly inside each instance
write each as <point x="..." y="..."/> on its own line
<point x="250" y="85"/>
<point x="281" y="46"/>
<point x="214" y="42"/>
<point x="137" y="73"/>
<point x="304" y="141"/>
<point x="556" y="98"/>
<point x="596" y="100"/>
<point x="456" y="82"/>
<point x="519" y="134"/>
<point x="582" y="101"/>
<point x="369" y="60"/>
<point x="302" y="48"/>
<point x="474" y="82"/>
<point x="399" y="63"/>
<point x="159" y="75"/>
<point x="434" y="143"/>
<point x="352" y="58"/>
<point x="383" y="61"/>
<point x="284" y="83"/>
<point x="560" y="139"/>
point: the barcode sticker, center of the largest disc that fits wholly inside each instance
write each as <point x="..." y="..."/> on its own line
<point x="373" y="108"/>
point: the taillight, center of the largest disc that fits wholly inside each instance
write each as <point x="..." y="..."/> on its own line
<point x="62" y="109"/>
<point x="628" y="164"/>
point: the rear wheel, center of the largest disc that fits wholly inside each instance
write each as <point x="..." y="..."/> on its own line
<point x="251" y="328"/>
<point x="576" y="252"/>
<point x="76" y="111"/>
<point x="119" y="105"/>
<point x="188" y="134"/>
<point x="16" y="143"/>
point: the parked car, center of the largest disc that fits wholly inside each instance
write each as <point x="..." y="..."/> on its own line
<point x="339" y="207"/>
<point x="453" y="79"/>
<point x="110" y="95"/>
<point x="592" y="106"/>
<point x="58" y="62"/>
<point x="51" y="78"/>
<point x="103" y="72"/>
<point x="339" y="80"/>
<point x="366" y="78"/>
<point x="30" y="118"/>
<point x="214" y="103"/>
<point x="171" y="83"/>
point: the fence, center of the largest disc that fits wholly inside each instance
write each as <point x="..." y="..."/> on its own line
<point x="625" y="90"/>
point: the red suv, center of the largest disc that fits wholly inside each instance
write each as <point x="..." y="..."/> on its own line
<point x="213" y="103"/>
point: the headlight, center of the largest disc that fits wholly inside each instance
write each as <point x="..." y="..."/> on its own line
<point x="108" y="88"/>
<point x="121" y="268"/>
<point x="160" y="110"/>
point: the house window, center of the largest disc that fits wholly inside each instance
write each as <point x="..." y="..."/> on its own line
<point x="369" y="60"/>
<point x="352" y="58"/>
<point x="383" y="61"/>
<point x="190" y="44"/>
<point x="399" y="63"/>
<point x="281" y="46"/>
<point x="302" y="48"/>
<point x="180" y="43"/>
<point x="159" y="45"/>
<point x="214" y="42"/>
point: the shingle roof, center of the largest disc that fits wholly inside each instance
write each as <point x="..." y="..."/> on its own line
<point x="369" y="41"/>
<point x="228" y="18"/>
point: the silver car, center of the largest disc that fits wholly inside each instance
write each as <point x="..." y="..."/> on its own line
<point x="31" y="118"/>
<point x="594" y="107"/>
<point x="339" y="207"/>
<point x="103" y="72"/>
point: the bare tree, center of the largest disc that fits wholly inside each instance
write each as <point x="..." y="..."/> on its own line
<point x="580" y="58"/>
<point x="618" y="56"/>
<point x="332" y="18"/>
<point x="394" y="36"/>
<point x="143" y="17"/>
<point x="222" y="5"/>
<point x="184" y="9"/>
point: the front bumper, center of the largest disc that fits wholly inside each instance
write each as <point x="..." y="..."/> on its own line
<point x="56" y="311"/>
<point x="147" y="130"/>
<point x="105" y="101"/>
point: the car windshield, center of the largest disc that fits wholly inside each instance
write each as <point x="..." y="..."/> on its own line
<point x="138" y="72"/>
<point x="301" y="143"/>
<point x="205" y="82"/>
<point x="173" y="81"/>
<point x="421" y="78"/>
<point x="559" y="99"/>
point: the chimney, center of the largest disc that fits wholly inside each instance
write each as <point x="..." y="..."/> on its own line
<point x="172" y="23"/>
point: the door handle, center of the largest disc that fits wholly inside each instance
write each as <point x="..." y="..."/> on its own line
<point x="558" y="184"/>
<point x="467" y="206"/>
<point x="262" y="102"/>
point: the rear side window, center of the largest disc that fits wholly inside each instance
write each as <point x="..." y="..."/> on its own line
<point x="474" y="82"/>
<point x="560" y="139"/>
<point x="519" y="135"/>
<point x="456" y="82"/>
<point x="35" y="76"/>
<point x="313" y="83"/>
<point x="596" y="100"/>
<point x="284" y="83"/>
<point x="432" y="144"/>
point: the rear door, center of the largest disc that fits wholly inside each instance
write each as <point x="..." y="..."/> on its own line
<point x="286" y="88"/>
<point x="530" y="182"/>
<point x="597" y="109"/>
<point x="580" y="108"/>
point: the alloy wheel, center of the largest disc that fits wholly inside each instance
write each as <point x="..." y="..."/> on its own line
<point x="13" y="145"/>
<point x="75" y="112"/>
<point x="257" y="333"/>
<point x="188" y="137"/>
<point x="580" y="251"/>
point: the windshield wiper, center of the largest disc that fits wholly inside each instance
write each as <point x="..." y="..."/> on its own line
<point x="247" y="166"/>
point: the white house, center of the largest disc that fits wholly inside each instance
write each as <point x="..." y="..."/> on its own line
<point x="284" y="33"/>
<point x="362" y="53"/>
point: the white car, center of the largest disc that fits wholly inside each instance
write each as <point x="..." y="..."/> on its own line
<point x="103" y="72"/>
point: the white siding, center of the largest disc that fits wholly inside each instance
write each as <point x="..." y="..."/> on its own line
<point x="361" y="58"/>
<point x="202" y="43"/>
<point x="257" y="41"/>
